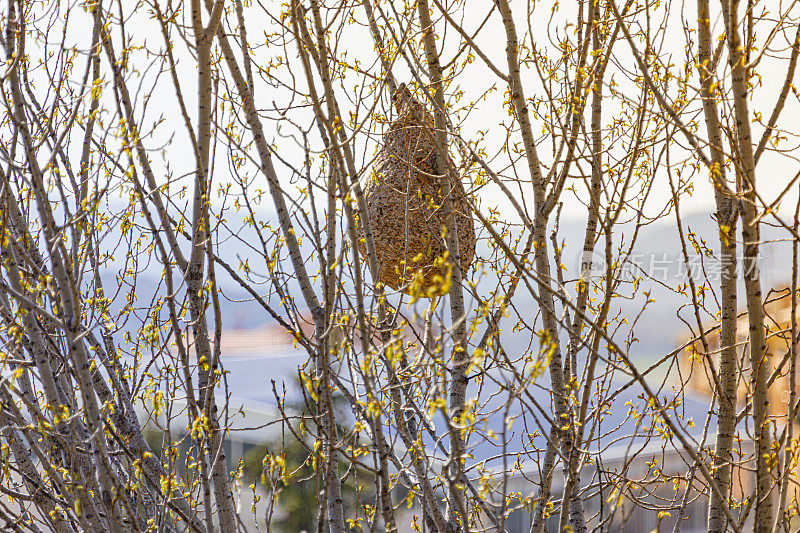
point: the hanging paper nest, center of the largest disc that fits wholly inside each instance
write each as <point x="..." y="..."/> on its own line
<point x="406" y="206"/>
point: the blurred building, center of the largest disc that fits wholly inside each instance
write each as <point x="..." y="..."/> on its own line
<point x="694" y="361"/>
<point x="696" y="376"/>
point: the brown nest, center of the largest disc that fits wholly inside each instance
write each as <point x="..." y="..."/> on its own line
<point x="406" y="206"/>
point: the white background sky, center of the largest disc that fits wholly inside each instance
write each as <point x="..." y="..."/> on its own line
<point x="773" y="172"/>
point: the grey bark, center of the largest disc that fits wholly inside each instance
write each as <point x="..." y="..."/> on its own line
<point x="726" y="219"/>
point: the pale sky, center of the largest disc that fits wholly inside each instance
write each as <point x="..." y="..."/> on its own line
<point x="773" y="171"/>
